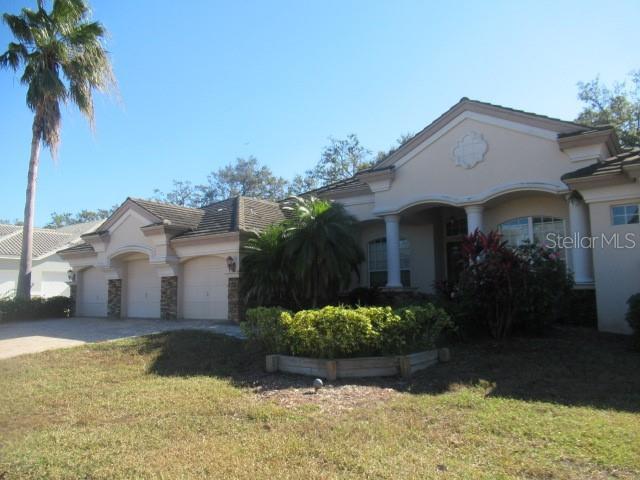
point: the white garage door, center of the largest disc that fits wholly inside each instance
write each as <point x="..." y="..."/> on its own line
<point x="205" y="288"/>
<point x="143" y="290"/>
<point x="92" y="293"/>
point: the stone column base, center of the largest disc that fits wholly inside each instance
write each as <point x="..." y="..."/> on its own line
<point x="169" y="298"/>
<point x="114" y="298"/>
<point x="236" y="308"/>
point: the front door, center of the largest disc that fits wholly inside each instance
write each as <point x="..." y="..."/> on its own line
<point x="454" y="265"/>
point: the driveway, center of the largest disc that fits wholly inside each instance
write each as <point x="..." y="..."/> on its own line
<point x="37" y="336"/>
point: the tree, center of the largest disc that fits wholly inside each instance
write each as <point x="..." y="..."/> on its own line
<point x="618" y="106"/>
<point x="269" y="281"/>
<point x="64" y="61"/>
<point x="64" y="219"/>
<point x="400" y="141"/>
<point x="302" y="183"/>
<point x="321" y="248"/>
<point x="183" y="193"/>
<point x="341" y="159"/>
<point x="246" y="177"/>
<point x="305" y="260"/>
<point x="6" y="221"/>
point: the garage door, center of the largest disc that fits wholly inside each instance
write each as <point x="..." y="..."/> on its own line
<point x="143" y="290"/>
<point x="205" y="288"/>
<point x="92" y="293"/>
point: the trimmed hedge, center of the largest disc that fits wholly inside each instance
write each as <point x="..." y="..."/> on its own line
<point x="341" y="332"/>
<point x="20" y="309"/>
<point x="633" y="317"/>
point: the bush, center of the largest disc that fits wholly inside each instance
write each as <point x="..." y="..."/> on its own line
<point x="264" y="325"/>
<point x="506" y="288"/>
<point x="35" y="308"/>
<point x="336" y="332"/>
<point x="633" y="317"/>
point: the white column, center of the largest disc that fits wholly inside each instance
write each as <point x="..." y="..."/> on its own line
<point x="581" y="259"/>
<point x="392" y="223"/>
<point x="474" y="218"/>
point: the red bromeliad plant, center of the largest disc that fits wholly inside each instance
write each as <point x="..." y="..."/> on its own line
<point x="503" y="286"/>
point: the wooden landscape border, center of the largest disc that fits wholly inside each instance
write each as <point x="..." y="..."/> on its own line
<point x="404" y="365"/>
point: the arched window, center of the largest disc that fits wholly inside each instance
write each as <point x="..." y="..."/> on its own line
<point x="535" y="229"/>
<point x="378" y="262"/>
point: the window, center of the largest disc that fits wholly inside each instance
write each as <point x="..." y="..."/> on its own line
<point x="378" y="263"/>
<point x="531" y="229"/>
<point x="456" y="226"/>
<point x="625" y="214"/>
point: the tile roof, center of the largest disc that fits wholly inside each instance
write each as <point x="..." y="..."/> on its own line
<point x="234" y="214"/>
<point x="45" y="241"/>
<point x="8" y="229"/>
<point x="610" y="166"/>
<point x="179" y="216"/>
<point x="347" y="185"/>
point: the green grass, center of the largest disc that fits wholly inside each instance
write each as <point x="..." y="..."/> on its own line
<point x="197" y="405"/>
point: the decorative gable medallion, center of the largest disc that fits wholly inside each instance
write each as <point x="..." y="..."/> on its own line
<point x="470" y="150"/>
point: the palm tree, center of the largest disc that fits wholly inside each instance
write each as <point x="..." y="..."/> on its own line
<point x="267" y="279"/>
<point x="321" y="247"/>
<point x="64" y="61"/>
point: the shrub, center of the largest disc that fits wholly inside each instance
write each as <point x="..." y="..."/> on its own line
<point x="35" y="308"/>
<point x="264" y="326"/>
<point x="633" y="317"/>
<point x="334" y="332"/>
<point x="504" y="288"/>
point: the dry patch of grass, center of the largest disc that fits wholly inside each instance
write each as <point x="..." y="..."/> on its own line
<point x="197" y="405"/>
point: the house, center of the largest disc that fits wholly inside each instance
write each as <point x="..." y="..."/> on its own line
<point x="477" y="166"/>
<point x="156" y="260"/>
<point x="49" y="272"/>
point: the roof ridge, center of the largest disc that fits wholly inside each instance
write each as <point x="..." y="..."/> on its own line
<point x="169" y="204"/>
<point x="239" y="214"/>
<point x="517" y="110"/>
<point x="262" y="200"/>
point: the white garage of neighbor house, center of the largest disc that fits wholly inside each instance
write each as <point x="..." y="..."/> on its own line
<point x="155" y="260"/>
<point x="477" y="166"/>
<point x="49" y="275"/>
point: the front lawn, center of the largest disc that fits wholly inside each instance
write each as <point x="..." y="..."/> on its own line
<point x="197" y="405"/>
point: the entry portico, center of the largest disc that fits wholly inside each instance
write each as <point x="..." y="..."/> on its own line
<point x="486" y="167"/>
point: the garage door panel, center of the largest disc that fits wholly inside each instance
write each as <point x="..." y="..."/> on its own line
<point x="92" y="293"/>
<point x="205" y="288"/>
<point x="143" y="290"/>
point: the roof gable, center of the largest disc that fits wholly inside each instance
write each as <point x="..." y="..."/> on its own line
<point x="530" y="122"/>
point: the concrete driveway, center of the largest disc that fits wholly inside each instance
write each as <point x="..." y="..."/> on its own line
<point x="37" y="336"/>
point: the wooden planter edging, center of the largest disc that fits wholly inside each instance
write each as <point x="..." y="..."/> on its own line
<point x="403" y="365"/>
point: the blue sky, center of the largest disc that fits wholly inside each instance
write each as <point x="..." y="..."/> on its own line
<point x="204" y="82"/>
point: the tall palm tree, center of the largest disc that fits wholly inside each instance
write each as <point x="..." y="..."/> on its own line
<point x="322" y="248"/>
<point x="64" y="61"/>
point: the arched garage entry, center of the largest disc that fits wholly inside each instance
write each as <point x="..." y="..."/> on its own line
<point x="92" y="293"/>
<point x="204" y="288"/>
<point x="142" y="297"/>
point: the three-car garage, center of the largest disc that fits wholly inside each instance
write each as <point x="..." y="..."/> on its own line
<point x="202" y="289"/>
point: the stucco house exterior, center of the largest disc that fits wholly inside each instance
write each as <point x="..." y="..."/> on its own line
<point x="477" y="166"/>
<point x="155" y="260"/>
<point x="49" y="272"/>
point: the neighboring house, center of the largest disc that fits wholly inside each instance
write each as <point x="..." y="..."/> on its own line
<point x="532" y="177"/>
<point x="156" y="260"/>
<point x="49" y="275"/>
